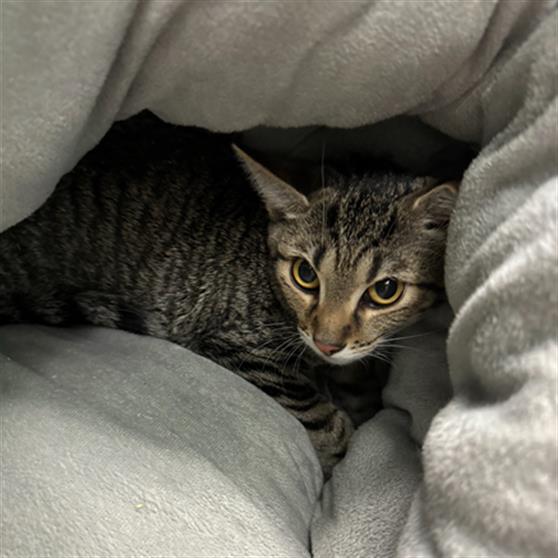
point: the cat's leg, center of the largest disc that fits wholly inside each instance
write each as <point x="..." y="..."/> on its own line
<point x="328" y="426"/>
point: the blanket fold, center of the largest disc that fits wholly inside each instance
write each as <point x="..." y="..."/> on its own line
<point x="484" y="71"/>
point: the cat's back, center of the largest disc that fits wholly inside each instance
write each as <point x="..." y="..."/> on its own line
<point x="146" y="165"/>
<point x="145" y="159"/>
<point x="148" y="201"/>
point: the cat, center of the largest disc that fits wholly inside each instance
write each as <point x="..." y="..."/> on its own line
<point x="173" y="232"/>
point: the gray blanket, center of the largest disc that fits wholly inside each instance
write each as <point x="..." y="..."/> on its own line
<point x="485" y="481"/>
<point x="118" y="445"/>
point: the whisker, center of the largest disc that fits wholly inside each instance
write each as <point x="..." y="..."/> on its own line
<point x="322" y="173"/>
<point x="380" y="356"/>
<point x="407" y="348"/>
<point x="291" y="354"/>
<point x="404" y="337"/>
<point x="298" y="360"/>
<point x="258" y="349"/>
<point x="282" y="348"/>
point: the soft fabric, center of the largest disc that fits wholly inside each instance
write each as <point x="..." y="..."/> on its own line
<point x="484" y="483"/>
<point x="364" y="507"/>
<point x="118" y="445"/>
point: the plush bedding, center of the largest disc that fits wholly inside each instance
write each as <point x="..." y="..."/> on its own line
<point x="462" y="460"/>
<point x="114" y="444"/>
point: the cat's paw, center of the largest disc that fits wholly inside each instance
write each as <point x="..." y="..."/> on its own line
<point x="331" y="441"/>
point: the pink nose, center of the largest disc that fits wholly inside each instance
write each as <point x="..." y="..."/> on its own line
<point x="327" y="348"/>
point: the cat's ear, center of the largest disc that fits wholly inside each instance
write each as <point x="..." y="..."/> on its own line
<point x="281" y="200"/>
<point x="436" y="204"/>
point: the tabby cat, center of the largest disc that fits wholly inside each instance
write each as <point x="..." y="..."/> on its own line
<point x="172" y="232"/>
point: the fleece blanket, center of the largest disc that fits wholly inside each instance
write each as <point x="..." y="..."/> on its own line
<point x="118" y="445"/>
<point x="484" y="482"/>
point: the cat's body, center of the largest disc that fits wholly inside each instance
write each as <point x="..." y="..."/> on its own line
<point x="158" y="231"/>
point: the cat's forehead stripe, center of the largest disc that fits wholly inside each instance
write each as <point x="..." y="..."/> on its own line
<point x="318" y="255"/>
<point x="389" y="227"/>
<point x="331" y="217"/>
<point x="366" y="251"/>
<point x="375" y="267"/>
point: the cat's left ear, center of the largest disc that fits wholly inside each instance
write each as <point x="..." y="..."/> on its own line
<point x="436" y="204"/>
<point x="281" y="200"/>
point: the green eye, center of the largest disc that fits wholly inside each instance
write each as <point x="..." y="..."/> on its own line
<point x="385" y="292"/>
<point x="304" y="275"/>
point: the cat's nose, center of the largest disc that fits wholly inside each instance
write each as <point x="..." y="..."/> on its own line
<point x="327" y="348"/>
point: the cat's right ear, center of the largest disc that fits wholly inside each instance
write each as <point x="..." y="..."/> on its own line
<point x="436" y="204"/>
<point x="281" y="200"/>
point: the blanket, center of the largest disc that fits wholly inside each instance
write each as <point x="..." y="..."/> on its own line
<point x="119" y="445"/>
<point x="484" y="481"/>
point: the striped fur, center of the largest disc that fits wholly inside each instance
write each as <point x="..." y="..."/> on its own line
<point x="157" y="231"/>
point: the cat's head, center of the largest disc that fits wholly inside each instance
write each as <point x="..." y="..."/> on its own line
<point x="360" y="258"/>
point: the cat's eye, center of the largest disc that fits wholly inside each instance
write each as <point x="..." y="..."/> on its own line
<point x="304" y="275"/>
<point x="384" y="292"/>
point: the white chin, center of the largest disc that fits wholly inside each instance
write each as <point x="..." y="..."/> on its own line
<point x="344" y="356"/>
<point x="338" y="359"/>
